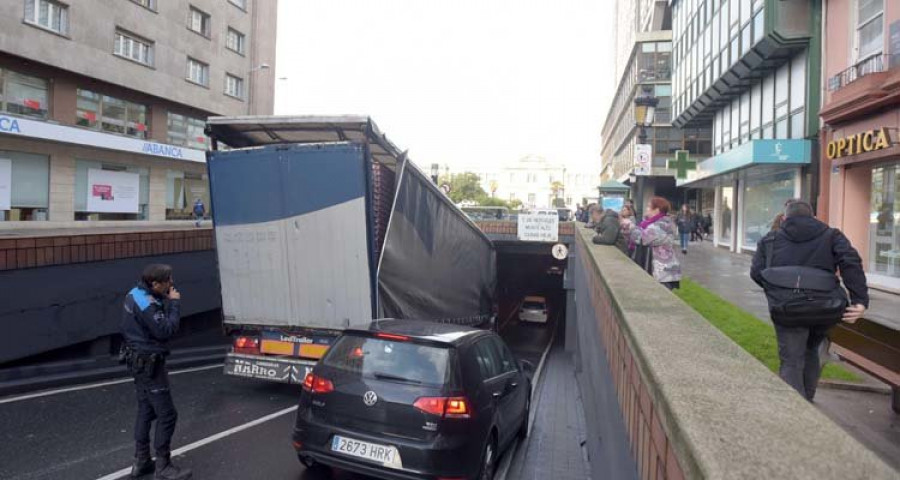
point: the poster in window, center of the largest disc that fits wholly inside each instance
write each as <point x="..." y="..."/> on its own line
<point x="113" y="192"/>
<point x="5" y="184"/>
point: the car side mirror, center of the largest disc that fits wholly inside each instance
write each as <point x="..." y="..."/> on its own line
<point x="526" y="366"/>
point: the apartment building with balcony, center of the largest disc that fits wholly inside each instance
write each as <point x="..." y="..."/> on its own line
<point x="103" y="103"/>
<point x="860" y="138"/>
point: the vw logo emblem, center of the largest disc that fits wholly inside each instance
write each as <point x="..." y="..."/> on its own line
<point x="370" y="398"/>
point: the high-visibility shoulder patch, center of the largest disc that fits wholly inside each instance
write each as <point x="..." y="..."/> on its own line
<point x="141" y="298"/>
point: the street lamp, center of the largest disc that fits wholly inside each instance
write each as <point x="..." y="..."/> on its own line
<point x="644" y="115"/>
<point x="262" y="66"/>
<point x="435" y="171"/>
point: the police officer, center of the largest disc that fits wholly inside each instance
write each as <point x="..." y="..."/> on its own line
<point x="150" y="318"/>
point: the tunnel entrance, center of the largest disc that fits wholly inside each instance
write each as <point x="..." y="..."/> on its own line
<point x="527" y="270"/>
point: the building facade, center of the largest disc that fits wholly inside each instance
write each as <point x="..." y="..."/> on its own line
<point x="646" y="70"/>
<point x="536" y="182"/>
<point x="860" y="139"/>
<point x="103" y="103"/>
<point x="751" y="70"/>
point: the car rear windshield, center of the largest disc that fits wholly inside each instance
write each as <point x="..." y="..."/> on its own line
<point x="390" y="360"/>
<point x="533" y="305"/>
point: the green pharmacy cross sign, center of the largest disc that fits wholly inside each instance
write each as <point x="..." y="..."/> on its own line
<point x="682" y="163"/>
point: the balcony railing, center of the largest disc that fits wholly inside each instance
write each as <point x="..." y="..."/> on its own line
<point x="875" y="64"/>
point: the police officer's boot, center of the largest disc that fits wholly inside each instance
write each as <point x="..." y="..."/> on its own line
<point x="143" y="465"/>
<point x="166" y="470"/>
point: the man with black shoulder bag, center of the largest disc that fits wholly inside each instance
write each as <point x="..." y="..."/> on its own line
<point x="800" y="267"/>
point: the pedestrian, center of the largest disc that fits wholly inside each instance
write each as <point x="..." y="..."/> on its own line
<point x="656" y="234"/>
<point x="578" y="214"/>
<point x="685" y="222"/>
<point x="199" y="211"/>
<point x="151" y="316"/>
<point x="797" y="266"/>
<point x="609" y="232"/>
<point x="708" y="224"/>
<point x="595" y="214"/>
<point x="626" y="224"/>
<point x="777" y="221"/>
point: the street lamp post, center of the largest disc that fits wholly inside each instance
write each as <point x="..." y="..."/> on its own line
<point x="263" y="66"/>
<point x="644" y="114"/>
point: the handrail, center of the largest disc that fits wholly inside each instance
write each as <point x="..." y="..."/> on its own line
<point x="873" y="64"/>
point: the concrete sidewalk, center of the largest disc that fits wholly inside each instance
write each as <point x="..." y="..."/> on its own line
<point x="553" y="449"/>
<point x="865" y="415"/>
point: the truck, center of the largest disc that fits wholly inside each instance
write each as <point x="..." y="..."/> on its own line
<point x="323" y="224"/>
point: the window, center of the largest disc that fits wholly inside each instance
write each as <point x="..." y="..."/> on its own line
<point x="234" y="40"/>
<point x="182" y="190"/>
<point x="48" y="14"/>
<point x="133" y="48"/>
<point x="149" y="4"/>
<point x="234" y="86"/>
<point x="242" y="4"/>
<point x="389" y="360"/>
<point x="198" y="72"/>
<point x="186" y="131"/>
<point x="199" y="22"/>
<point x="869" y="28"/>
<point x="507" y="360"/>
<point x="82" y="173"/>
<point x="29" y="186"/>
<point x="110" y="114"/>
<point x="23" y="94"/>
<point x="488" y="359"/>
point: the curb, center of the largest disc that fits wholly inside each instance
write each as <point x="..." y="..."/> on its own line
<point x="106" y="370"/>
<point x="855" y="387"/>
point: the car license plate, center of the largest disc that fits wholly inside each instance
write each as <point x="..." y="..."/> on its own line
<point x="383" y="454"/>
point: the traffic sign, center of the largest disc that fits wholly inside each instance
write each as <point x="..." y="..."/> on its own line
<point x="643" y="159"/>
<point x="560" y="251"/>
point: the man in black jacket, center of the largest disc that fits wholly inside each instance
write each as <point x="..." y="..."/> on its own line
<point x="151" y="316"/>
<point x="806" y="241"/>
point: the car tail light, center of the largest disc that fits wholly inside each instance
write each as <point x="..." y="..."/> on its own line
<point x="316" y="384"/>
<point x="246" y="345"/>
<point x="391" y="336"/>
<point x="447" y="407"/>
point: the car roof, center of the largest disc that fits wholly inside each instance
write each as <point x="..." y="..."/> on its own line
<point x="535" y="299"/>
<point x="444" y="333"/>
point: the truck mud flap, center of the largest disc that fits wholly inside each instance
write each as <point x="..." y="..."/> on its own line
<point x="273" y="370"/>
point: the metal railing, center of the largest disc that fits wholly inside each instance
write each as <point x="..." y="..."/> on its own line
<point x="874" y="64"/>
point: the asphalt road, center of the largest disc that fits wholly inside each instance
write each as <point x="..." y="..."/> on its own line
<point x="85" y="432"/>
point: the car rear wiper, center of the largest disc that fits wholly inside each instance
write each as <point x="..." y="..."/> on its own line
<point x="388" y="376"/>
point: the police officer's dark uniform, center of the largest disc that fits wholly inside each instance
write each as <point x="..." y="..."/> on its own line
<point x="149" y="320"/>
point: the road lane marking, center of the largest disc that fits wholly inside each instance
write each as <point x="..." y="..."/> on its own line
<point x="206" y="441"/>
<point x="99" y="384"/>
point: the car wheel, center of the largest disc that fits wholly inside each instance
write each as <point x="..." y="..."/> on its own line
<point x="523" y="429"/>
<point x="488" y="460"/>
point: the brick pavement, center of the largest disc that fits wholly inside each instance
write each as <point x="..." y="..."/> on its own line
<point x="554" y="447"/>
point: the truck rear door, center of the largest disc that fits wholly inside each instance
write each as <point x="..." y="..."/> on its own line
<point x="292" y="235"/>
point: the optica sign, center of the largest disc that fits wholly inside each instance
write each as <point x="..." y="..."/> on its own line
<point x="860" y="143"/>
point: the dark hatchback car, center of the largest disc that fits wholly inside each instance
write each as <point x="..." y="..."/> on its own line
<point x="413" y="400"/>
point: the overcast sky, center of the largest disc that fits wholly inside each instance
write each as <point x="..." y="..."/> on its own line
<point x="463" y="82"/>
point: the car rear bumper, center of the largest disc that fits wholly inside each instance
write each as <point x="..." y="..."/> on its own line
<point x="262" y="367"/>
<point x="535" y="317"/>
<point x="442" y="457"/>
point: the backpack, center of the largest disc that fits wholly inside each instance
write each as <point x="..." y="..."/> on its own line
<point x="801" y="296"/>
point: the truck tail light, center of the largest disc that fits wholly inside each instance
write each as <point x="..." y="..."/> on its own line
<point x="316" y="384"/>
<point x="447" y="407"/>
<point x="246" y="345"/>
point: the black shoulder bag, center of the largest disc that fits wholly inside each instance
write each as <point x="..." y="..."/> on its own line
<point x="802" y="296"/>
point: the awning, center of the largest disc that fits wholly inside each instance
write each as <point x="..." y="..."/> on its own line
<point x="768" y="155"/>
<point x="257" y="131"/>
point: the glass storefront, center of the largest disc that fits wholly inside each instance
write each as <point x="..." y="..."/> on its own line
<point x="725" y="213"/>
<point x="884" y="222"/>
<point x="182" y="190"/>
<point x="120" y="208"/>
<point x="29" y="186"/>
<point x="763" y="199"/>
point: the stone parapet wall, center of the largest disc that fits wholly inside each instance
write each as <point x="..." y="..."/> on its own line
<point x="690" y="402"/>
